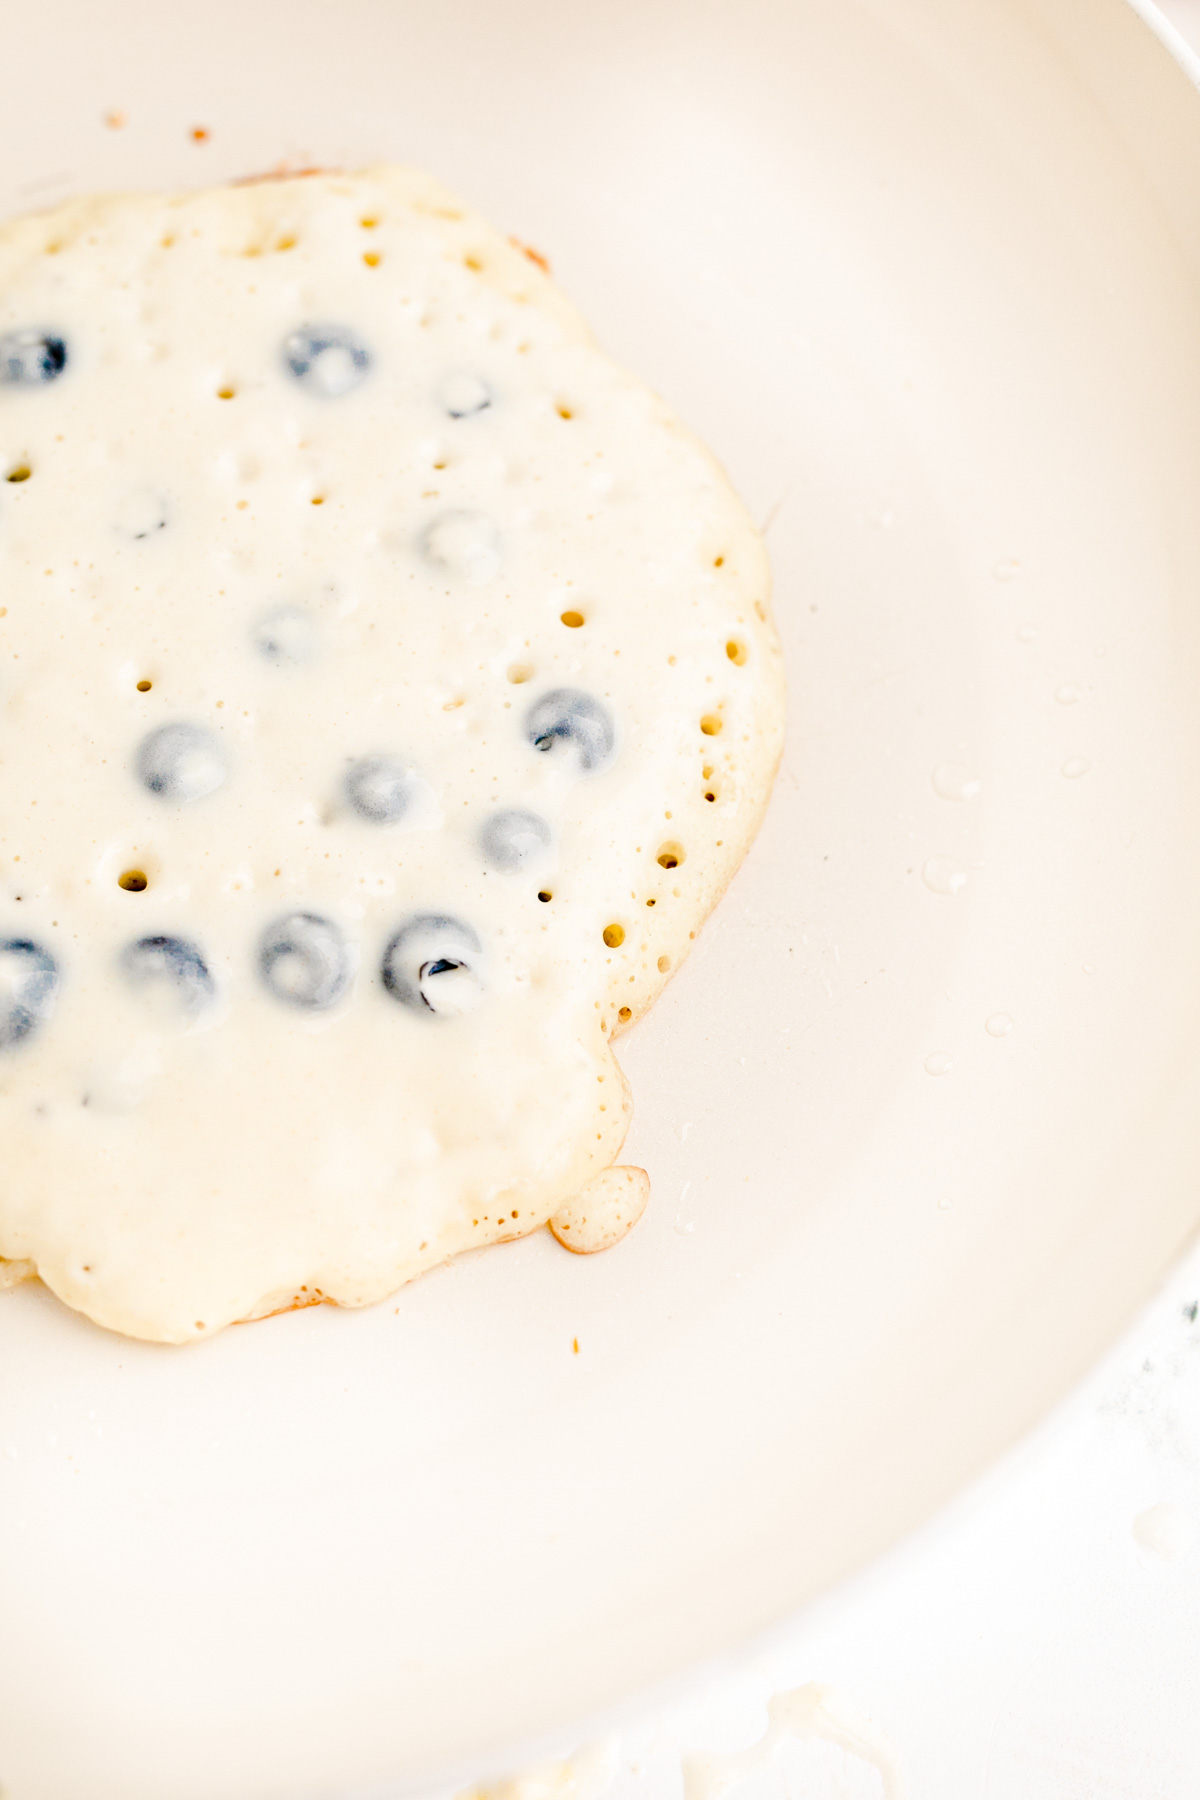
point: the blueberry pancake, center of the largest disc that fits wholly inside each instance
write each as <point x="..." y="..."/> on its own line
<point x="387" y="693"/>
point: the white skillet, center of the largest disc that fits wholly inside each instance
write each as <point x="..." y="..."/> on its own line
<point x="923" y="1112"/>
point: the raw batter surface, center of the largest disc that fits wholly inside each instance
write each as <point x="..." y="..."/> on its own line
<point x="387" y="693"/>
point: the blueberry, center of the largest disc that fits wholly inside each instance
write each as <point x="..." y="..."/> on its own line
<point x="31" y="357"/>
<point x="326" y="359"/>
<point x="514" y="838"/>
<point x="305" y="961"/>
<point x="174" y="962"/>
<point x="380" y="788"/>
<point x="28" y="979"/>
<point x="432" y="965"/>
<point x="286" y="635"/>
<point x="463" y="395"/>
<point x="181" y="762"/>
<point x="140" y="513"/>
<point x="569" y="716"/>
<point x="464" y="545"/>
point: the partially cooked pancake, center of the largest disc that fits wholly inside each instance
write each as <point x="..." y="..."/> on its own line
<point x="387" y="693"/>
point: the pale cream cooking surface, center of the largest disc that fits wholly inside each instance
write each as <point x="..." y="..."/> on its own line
<point x="387" y="692"/>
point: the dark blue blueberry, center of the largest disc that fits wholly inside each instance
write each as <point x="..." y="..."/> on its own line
<point x="380" y="788"/>
<point x="570" y="717"/>
<point x="31" y="357"/>
<point x="286" y="635"/>
<point x="464" y="394"/>
<point x="305" y="961"/>
<point x="462" y="544"/>
<point x="432" y="965"/>
<point x="173" y="962"/>
<point x="140" y="513"/>
<point x="326" y="359"/>
<point x="28" y="979"/>
<point x="181" y="762"/>
<point x="514" y="838"/>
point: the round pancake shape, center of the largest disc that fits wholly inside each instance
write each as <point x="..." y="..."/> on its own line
<point x="389" y="692"/>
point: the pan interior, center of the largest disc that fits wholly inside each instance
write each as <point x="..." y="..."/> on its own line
<point x="919" y="1114"/>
